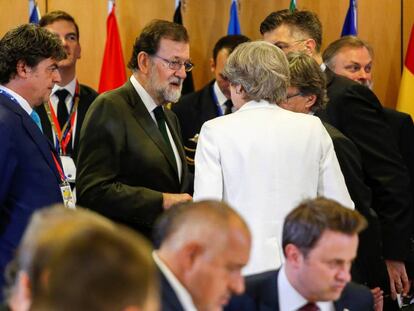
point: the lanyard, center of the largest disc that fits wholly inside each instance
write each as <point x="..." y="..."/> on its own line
<point x="59" y="168"/>
<point x="63" y="135"/>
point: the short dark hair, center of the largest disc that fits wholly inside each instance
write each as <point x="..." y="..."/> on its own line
<point x="149" y="39"/>
<point x="229" y="42"/>
<point x="307" y="76"/>
<point x="304" y="226"/>
<point x="305" y="22"/>
<point x="346" y="41"/>
<point x="117" y="272"/>
<point x="58" y="15"/>
<point x="28" y="43"/>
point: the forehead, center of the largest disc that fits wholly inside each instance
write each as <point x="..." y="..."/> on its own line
<point x="354" y="54"/>
<point x="237" y="250"/>
<point x="61" y="26"/>
<point x="174" y="49"/>
<point x="283" y="33"/>
<point x="335" y="245"/>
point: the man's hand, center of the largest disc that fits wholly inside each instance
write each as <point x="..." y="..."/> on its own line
<point x="378" y="298"/>
<point x="169" y="199"/>
<point x="399" y="283"/>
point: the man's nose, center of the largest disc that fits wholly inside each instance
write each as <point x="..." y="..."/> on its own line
<point x="181" y="73"/>
<point x="237" y="284"/>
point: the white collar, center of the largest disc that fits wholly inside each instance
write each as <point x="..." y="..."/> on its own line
<point x="70" y="87"/>
<point x="20" y="100"/>
<point x="221" y="98"/>
<point x="323" y="67"/>
<point x="143" y="94"/>
<point x="291" y="299"/>
<point x="182" y="294"/>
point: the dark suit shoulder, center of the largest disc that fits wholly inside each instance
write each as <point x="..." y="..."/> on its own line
<point x="355" y="297"/>
<point x="193" y="100"/>
<point x="169" y="299"/>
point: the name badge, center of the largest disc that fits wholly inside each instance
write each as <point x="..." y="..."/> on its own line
<point x="69" y="168"/>
<point x="67" y="195"/>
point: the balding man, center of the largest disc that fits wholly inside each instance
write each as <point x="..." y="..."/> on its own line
<point x="203" y="248"/>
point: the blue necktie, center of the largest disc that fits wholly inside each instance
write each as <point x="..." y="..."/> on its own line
<point x="35" y="117"/>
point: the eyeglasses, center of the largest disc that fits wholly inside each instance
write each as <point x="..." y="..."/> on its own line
<point x="177" y="64"/>
<point x="285" y="46"/>
<point x="294" y="95"/>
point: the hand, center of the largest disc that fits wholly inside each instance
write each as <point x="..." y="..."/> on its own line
<point x="378" y="298"/>
<point x="169" y="199"/>
<point x="399" y="283"/>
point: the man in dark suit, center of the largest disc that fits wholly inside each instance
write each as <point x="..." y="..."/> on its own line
<point x="352" y="57"/>
<point x="69" y="100"/>
<point x="131" y="162"/>
<point x="319" y="239"/>
<point x="357" y="113"/>
<point x="197" y="274"/>
<point x="29" y="168"/>
<point x="307" y="94"/>
<point x="212" y="101"/>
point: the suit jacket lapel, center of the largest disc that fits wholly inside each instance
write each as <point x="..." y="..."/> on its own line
<point x="37" y="136"/>
<point x="143" y="117"/>
<point x="270" y="298"/>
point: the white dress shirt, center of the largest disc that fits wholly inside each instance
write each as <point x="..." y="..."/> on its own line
<point x="221" y="98"/>
<point x="151" y="105"/>
<point x="182" y="294"/>
<point x="290" y="299"/>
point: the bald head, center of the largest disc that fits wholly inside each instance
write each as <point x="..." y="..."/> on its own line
<point x="206" y="241"/>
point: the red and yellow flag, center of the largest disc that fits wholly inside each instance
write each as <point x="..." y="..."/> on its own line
<point x="406" y="95"/>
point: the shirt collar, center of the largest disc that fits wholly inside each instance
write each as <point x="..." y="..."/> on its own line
<point x="70" y="87"/>
<point x="291" y="299"/>
<point x="20" y="100"/>
<point x="182" y="294"/>
<point x="143" y="94"/>
<point x="323" y="67"/>
<point x="219" y="94"/>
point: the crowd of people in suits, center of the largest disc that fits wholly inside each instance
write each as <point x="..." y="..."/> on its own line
<point x="281" y="123"/>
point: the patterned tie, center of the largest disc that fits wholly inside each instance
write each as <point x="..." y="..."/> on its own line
<point x="35" y="117"/>
<point x="310" y="306"/>
<point x="62" y="110"/>
<point x="160" y="117"/>
<point x="229" y="105"/>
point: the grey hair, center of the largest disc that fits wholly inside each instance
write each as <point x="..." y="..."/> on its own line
<point x="261" y="69"/>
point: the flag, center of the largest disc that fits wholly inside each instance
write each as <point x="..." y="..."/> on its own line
<point x="292" y="5"/>
<point x="406" y="94"/>
<point x="234" y="25"/>
<point x="34" y="13"/>
<point x="113" y="72"/>
<point x="350" y="24"/>
<point x="188" y="84"/>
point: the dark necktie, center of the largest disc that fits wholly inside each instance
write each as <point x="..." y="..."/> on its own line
<point x="62" y="110"/>
<point x="310" y="306"/>
<point x="160" y="117"/>
<point x="229" y="105"/>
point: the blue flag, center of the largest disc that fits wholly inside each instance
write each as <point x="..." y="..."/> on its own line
<point x="34" y="14"/>
<point x="350" y="24"/>
<point x="234" y="25"/>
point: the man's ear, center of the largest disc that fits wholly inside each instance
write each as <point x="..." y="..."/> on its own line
<point x="212" y="65"/>
<point x="310" y="46"/>
<point x="22" y="69"/>
<point x="310" y="101"/>
<point x="189" y="254"/>
<point x="293" y="255"/>
<point x="143" y="60"/>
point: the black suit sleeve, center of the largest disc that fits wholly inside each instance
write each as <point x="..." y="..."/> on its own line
<point x="360" y="117"/>
<point x="102" y="180"/>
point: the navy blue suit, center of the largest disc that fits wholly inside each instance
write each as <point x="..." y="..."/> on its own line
<point x="29" y="179"/>
<point x="169" y="299"/>
<point x="262" y="295"/>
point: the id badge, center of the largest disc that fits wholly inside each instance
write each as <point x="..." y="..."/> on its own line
<point x="67" y="195"/>
<point x="69" y="168"/>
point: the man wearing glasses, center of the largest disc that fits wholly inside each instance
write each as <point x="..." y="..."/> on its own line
<point x="131" y="162"/>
